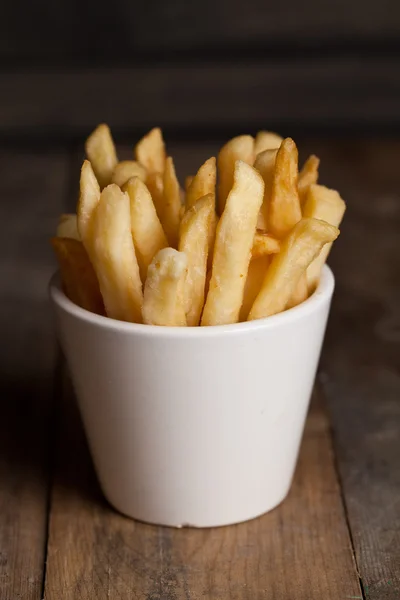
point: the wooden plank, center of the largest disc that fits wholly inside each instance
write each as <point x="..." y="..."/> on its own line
<point x="63" y="32"/>
<point x="216" y="97"/>
<point x="361" y="362"/>
<point x="302" y="549"/>
<point x="32" y="195"/>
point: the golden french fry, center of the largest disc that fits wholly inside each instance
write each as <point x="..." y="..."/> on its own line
<point x="284" y="207"/>
<point x="255" y="277"/>
<point x="88" y="200"/>
<point x="126" y="169"/>
<point x="147" y="232"/>
<point x="232" y="250"/>
<point x="307" y="176"/>
<point x="298" y="250"/>
<point x="100" y="150"/>
<point x="77" y="274"/>
<point x="265" y="165"/>
<point x="68" y="227"/>
<point x="150" y="151"/>
<point x="207" y="284"/>
<point x="193" y="241"/>
<point x="264" y="244"/>
<point x="266" y="140"/>
<point x="203" y="182"/>
<point x="155" y="186"/>
<point x="171" y="212"/>
<point x="238" y="148"/>
<point x="188" y="181"/>
<point x="300" y="292"/>
<point x="113" y="256"/>
<point x="164" y="302"/>
<point x="322" y="203"/>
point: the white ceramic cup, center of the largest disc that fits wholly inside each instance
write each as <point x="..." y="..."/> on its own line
<point x="195" y="426"/>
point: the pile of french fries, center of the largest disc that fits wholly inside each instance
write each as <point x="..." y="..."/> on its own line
<point x="247" y="246"/>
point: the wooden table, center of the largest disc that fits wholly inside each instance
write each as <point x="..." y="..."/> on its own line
<point x="338" y="533"/>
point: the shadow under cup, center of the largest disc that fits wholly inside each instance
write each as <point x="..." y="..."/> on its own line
<point x="196" y="426"/>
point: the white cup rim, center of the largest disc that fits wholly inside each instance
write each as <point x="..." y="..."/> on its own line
<point x="321" y="296"/>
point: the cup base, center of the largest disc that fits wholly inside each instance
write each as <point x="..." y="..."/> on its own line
<point x="208" y="525"/>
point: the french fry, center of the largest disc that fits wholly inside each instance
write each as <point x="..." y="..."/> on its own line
<point x="265" y="165"/>
<point x="322" y="203"/>
<point x="113" y="256"/>
<point x="284" y="207"/>
<point x="232" y="250"/>
<point x="164" y="302"/>
<point x="68" y="227"/>
<point x="147" y="232"/>
<point x="100" y="150"/>
<point x="300" y="292"/>
<point x="155" y="186"/>
<point x="88" y="200"/>
<point x="77" y="274"/>
<point x="188" y="181"/>
<point x="171" y="212"/>
<point x="255" y="277"/>
<point x="203" y="183"/>
<point x="266" y="140"/>
<point x="150" y="151"/>
<point x="193" y="242"/>
<point x="126" y="169"/>
<point x="264" y="244"/>
<point x="298" y="250"/>
<point x="238" y="148"/>
<point x="307" y="176"/>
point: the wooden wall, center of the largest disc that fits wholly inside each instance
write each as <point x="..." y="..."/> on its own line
<point x="218" y="65"/>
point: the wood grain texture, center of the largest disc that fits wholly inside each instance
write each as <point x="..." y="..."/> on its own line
<point x="75" y="30"/>
<point x="329" y="92"/>
<point x="361" y="363"/>
<point x="302" y="549"/>
<point x="32" y="194"/>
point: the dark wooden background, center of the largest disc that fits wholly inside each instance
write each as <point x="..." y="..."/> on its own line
<point x="327" y="73"/>
<point x="198" y="69"/>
